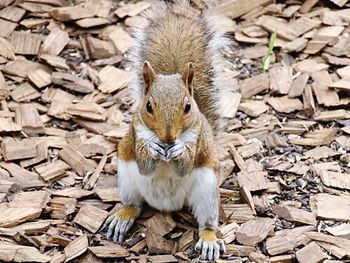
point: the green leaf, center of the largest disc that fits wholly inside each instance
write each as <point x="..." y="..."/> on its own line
<point x="266" y="60"/>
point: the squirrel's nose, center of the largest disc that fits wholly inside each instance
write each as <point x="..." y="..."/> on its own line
<point x="168" y="138"/>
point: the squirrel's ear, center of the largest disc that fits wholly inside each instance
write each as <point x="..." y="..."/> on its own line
<point x="148" y="75"/>
<point x="187" y="77"/>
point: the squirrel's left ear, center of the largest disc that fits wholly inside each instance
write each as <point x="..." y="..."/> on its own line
<point x="187" y="77"/>
<point x="148" y="76"/>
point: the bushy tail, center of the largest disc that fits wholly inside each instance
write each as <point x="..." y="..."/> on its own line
<point x="218" y="95"/>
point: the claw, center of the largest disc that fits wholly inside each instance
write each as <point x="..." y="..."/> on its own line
<point x="209" y="245"/>
<point x="175" y="151"/>
<point x="156" y="150"/>
<point x="118" y="224"/>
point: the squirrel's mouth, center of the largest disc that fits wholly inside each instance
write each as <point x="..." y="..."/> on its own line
<point x="167" y="146"/>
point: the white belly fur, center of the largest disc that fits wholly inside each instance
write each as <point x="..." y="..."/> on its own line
<point x="164" y="189"/>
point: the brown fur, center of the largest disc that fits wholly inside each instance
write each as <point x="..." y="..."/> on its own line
<point x="172" y="43"/>
<point x="126" y="146"/>
<point x="127" y="213"/>
<point x="168" y="102"/>
<point x="208" y="235"/>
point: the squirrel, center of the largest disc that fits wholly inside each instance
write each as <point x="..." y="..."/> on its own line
<point x="168" y="158"/>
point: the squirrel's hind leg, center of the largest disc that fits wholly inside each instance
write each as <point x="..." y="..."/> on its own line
<point x="204" y="202"/>
<point x="120" y="222"/>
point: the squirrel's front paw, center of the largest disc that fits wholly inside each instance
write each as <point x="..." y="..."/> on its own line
<point x="119" y="223"/>
<point x="175" y="151"/>
<point x="209" y="245"/>
<point x="157" y="150"/>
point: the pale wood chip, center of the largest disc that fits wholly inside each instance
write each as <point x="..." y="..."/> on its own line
<point x="62" y="207"/>
<point x="288" y="31"/>
<point x="113" y="79"/>
<point x="160" y="223"/>
<point x="310" y="66"/>
<point x="254" y="181"/>
<point x="132" y="9"/>
<point x="6" y="49"/>
<point x="14" y="150"/>
<point x="247" y="151"/>
<point x="288" y="239"/>
<point x="294" y="214"/>
<point x="91" y="217"/>
<point x="6" y="28"/>
<point x="156" y="243"/>
<point x="76" y="160"/>
<point x="121" y="40"/>
<point x="137" y="22"/>
<point x="51" y="172"/>
<point x="40" y="78"/>
<point x="25" y="43"/>
<point x="235" y="9"/>
<point x="312" y="253"/>
<point x="252" y="86"/>
<point x="332" y="115"/>
<point x="55" y="42"/>
<point x="321" y="152"/>
<point x="330" y="207"/>
<point x="297" y="168"/>
<point x="24" y="93"/>
<point x="18" y="253"/>
<point x="28" y="117"/>
<point x="71" y="13"/>
<point x="342" y="230"/>
<point x="87" y="110"/>
<point x="92" y="22"/>
<point x="240" y="37"/>
<point x="100" y="48"/>
<point x="342" y="85"/>
<point x="344" y="73"/>
<point x="285" y="104"/>
<point x="33" y="22"/>
<point x="307" y="6"/>
<point x="72" y="82"/>
<point x="186" y="241"/>
<point x="75" y="248"/>
<point x="298" y="85"/>
<point x="54" y="61"/>
<point x="308" y="101"/>
<point x="280" y="79"/>
<point x="12" y="216"/>
<point x="7" y="125"/>
<point x="91" y="181"/>
<point x="253" y="108"/>
<point x="296" y="45"/>
<point x="316" y="138"/>
<point x="73" y="192"/>
<point x="110" y="251"/>
<point x="338" y="246"/>
<point x="335" y="179"/>
<point x="108" y="194"/>
<point x="254" y="231"/>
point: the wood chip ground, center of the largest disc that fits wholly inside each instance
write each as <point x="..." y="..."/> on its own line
<point x="284" y="149"/>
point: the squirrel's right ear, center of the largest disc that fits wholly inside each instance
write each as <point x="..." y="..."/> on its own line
<point x="187" y="77"/>
<point x="148" y="76"/>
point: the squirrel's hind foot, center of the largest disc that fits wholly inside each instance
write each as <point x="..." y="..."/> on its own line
<point x="119" y="223"/>
<point x="209" y="245"/>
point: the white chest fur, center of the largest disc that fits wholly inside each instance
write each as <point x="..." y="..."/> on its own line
<point x="164" y="189"/>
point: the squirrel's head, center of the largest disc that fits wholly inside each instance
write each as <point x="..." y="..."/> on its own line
<point x="168" y="108"/>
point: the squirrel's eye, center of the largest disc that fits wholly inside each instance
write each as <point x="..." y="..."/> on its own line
<point x="149" y="107"/>
<point x="187" y="107"/>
